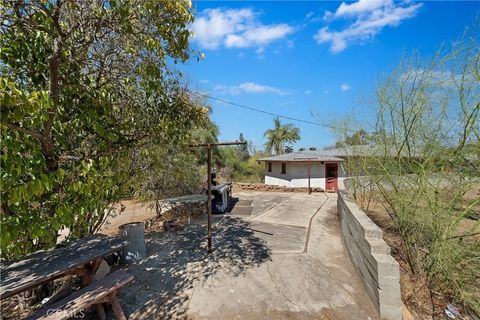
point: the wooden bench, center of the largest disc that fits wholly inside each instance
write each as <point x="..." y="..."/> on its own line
<point x="102" y="291"/>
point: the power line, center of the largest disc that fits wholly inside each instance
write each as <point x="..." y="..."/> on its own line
<point x="260" y="111"/>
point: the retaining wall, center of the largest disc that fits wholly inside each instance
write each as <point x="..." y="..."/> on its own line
<point x="238" y="186"/>
<point x="371" y="257"/>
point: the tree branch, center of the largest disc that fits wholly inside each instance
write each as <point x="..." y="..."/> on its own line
<point x="17" y="128"/>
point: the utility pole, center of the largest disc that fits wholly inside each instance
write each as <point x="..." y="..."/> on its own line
<point x="209" y="187"/>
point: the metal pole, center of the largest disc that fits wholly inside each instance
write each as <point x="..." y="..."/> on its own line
<point x="209" y="196"/>
<point x="209" y="173"/>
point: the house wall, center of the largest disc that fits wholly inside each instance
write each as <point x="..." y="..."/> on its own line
<point x="297" y="174"/>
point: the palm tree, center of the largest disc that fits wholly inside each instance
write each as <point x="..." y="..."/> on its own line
<point x="280" y="135"/>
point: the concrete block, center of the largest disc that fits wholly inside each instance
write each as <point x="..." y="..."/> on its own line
<point x="378" y="246"/>
<point x="389" y="312"/>
<point x="387" y="266"/>
<point x="390" y="296"/>
<point x="370" y="255"/>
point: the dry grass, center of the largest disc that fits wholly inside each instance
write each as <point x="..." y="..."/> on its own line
<point x="424" y="298"/>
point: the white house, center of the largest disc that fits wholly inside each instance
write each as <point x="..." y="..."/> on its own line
<point x="326" y="169"/>
<point x="317" y="169"/>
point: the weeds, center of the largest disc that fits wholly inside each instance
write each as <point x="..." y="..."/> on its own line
<point x="425" y="165"/>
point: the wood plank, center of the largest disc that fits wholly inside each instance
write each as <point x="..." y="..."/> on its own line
<point x="43" y="266"/>
<point x="100" y="312"/>
<point x="117" y="309"/>
<point x="84" y="298"/>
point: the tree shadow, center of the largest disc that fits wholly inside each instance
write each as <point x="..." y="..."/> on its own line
<point x="176" y="262"/>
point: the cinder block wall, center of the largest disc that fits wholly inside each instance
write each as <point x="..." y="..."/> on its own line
<point x="371" y="257"/>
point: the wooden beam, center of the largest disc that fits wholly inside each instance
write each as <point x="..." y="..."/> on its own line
<point x="85" y="298"/>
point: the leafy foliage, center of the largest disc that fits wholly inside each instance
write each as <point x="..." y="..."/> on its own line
<point x="359" y="137"/>
<point x="85" y="92"/>
<point x="279" y="136"/>
<point x="243" y="152"/>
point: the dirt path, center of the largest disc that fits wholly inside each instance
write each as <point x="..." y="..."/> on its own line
<point x="135" y="211"/>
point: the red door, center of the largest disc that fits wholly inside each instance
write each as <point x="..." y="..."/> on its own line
<point x="331" y="175"/>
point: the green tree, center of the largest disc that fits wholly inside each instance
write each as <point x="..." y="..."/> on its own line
<point x="243" y="149"/>
<point x="207" y="133"/>
<point x="251" y="170"/>
<point x="288" y="149"/>
<point x="359" y="137"/>
<point x="280" y="135"/>
<point x="85" y="91"/>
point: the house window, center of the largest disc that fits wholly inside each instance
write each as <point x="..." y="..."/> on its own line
<point x="284" y="168"/>
<point x="269" y="167"/>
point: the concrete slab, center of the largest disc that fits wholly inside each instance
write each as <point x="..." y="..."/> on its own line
<point x="241" y="211"/>
<point x="280" y="238"/>
<point x="288" y="283"/>
<point x="243" y="203"/>
<point x="287" y="262"/>
<point x="262" y="201"/>
<point x="293" y="211"/>
<point x="308" y="275"/>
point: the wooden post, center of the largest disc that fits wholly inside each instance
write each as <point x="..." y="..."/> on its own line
<point x="309" y="188"/>
<point x="209" y="192"/>
<point x="117" y="309"/>
<point x="309" y="162"/>
<point x="209" y="198"/>
<point x="100" y="312"/>
<point x="88" y="276"/>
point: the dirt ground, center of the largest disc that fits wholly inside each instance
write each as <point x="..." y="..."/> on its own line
<point x="133" y="211"/>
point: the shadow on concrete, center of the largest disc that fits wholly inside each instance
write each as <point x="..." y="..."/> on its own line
<point x="165" y="280"/>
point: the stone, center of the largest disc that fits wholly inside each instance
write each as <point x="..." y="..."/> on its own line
<point x="102" y="270"/>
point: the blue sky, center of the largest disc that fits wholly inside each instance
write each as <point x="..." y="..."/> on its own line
<point x="314" y="60"/>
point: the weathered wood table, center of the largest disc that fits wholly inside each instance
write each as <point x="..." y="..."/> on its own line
<point x="83" y="258"/>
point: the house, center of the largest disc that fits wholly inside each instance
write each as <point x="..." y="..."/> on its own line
<point x="324" y="169"/>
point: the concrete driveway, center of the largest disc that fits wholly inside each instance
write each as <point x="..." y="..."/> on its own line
<point x="285" y="260"/>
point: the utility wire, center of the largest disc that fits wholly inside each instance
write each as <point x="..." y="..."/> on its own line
<point x="260" y="111"/>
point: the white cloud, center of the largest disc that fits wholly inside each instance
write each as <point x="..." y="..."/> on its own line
<point x="359" y="7"/>
<point x="235" y="28"/>
<point x="307" y="92"/>
<point x="370" y="17"/>
<point x="250" y="87"/>
<point x="344" y="87"/>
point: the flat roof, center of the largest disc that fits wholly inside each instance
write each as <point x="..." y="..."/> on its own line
<point x="301" y="157"/>
<point x="333" y="154"/>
